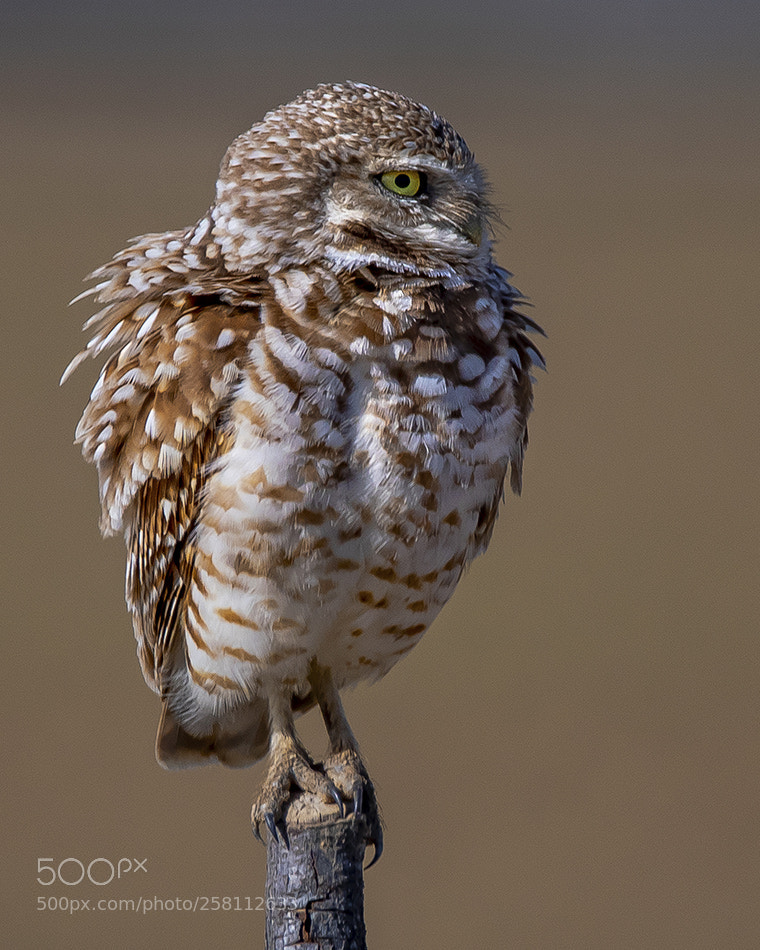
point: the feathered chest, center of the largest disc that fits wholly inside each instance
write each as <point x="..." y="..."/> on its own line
<point x="387" y="439"/>
<point x="313" y="457"/>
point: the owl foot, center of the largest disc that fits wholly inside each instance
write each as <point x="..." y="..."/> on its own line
<point x="290" y="767"/>
<point x="347" y="773"/>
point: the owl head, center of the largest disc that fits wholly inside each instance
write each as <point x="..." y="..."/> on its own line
<point x="354" y="177"/>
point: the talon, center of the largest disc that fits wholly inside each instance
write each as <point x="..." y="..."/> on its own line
<point x="290" y="768"/>
<point x="347" y="773"/>
<point x="271" y="824"/>
<point x="284" y="837"/>
<point x="377" y="844"/>
<point x="335" y="795"/>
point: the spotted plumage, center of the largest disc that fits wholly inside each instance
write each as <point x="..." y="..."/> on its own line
<point x="312" y="401"/>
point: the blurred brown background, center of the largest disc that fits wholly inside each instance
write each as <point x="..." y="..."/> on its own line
<point x="570" y="758"/>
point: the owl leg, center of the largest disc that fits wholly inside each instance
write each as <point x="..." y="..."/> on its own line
<point x="290" y="765"/>
<point x="344" y="766"/>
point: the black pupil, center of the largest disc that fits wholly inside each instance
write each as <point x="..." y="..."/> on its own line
<point x="403" y="181"/>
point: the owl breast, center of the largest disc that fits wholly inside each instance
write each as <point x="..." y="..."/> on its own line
<point x="360" y="481"/>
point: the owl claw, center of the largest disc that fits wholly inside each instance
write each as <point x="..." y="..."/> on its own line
<point x="271" y="824"/>
<point x="290" y="768"/>
<point x="341" y="779"/>
<point x="347" y="773"/>
<point x="335" y="795"/>
<point x="257" y="820"/>
<point x="378" y="846"/>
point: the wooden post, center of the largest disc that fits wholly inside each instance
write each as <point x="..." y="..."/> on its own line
<point x="315" y="883"/>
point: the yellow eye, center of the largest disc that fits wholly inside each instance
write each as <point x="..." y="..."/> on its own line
<point x="406" y="182"/>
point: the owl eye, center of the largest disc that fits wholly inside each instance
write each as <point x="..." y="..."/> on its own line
<point x="406" y="182"/>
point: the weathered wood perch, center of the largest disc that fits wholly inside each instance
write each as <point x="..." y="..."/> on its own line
<point x="315" y="884"/>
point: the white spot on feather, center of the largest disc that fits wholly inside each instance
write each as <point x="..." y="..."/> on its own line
<point x="138" y="281"/>
<point x="124" y="393"/>
<point x="184" y="430"/>
<point x="230" y="371"/>
<point x="110" y="338"/>
<point x="225" y="338"/>
<point x="429" y="385"/>
<point x="165" y="371"/>
<point x="191" y="258"/>
<point x="169" y="459"/>
<point x="200" y="232"/>
<point x="147" y="322"/>
<point x="151" y="425"/>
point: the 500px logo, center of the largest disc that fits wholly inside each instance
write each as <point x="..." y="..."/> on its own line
<point x="100" y="871"/>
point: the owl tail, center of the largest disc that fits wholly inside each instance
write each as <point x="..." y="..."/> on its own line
<point x="241" y="743"/>
<point x="242" y="740"/>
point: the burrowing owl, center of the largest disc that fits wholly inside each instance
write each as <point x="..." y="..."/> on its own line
<point x="314" y="396"/>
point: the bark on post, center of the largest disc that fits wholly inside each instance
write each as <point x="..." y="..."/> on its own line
<point x="315" y="885"/>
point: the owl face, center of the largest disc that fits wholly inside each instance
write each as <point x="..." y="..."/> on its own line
<point x="354" y="177"/>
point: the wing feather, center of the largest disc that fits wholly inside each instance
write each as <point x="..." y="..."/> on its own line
<point x="526" y="355"/>
<point x="160" y="553"/>
<point x="156" y="418"/>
